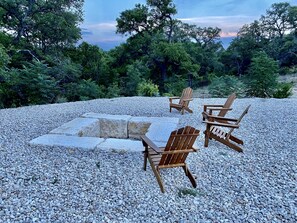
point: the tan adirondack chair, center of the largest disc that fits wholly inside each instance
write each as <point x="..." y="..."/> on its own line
<point x="184" y="101"/>
<point x="174" y="154"/>
<point x="213" y="131"/>
<point x="223" y="109"/>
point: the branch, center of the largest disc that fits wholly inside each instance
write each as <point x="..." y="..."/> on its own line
<point x="28" y="51"/>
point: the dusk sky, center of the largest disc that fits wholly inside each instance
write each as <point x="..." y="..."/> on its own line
<point x="99" y="24"/>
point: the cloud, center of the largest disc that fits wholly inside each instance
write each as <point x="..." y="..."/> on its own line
<point x="100" y="32"/>
<point x="229" y="25"/>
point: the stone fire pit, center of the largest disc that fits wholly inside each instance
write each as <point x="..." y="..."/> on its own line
<point x="109" y="132"/>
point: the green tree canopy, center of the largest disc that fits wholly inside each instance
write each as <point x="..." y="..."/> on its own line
<point x="37" y="22"/>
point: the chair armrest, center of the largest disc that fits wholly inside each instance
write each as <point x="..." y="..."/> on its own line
<point x="173" y="98"/>
<point x="222" y="118"/>
<point x="206" y="106"/>
<point x="180" y="151"/>
<point x="219" y="109"/>
<point x="147" y="142"/>
<point x="221" y="124"/>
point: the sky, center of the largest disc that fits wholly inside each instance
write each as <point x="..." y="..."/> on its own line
<point x="99" y="26"/>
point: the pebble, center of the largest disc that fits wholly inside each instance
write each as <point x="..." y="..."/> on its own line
<point x="54" y="184"/>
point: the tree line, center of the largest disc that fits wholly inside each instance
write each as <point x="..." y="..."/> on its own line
<point x="41" y="63"/>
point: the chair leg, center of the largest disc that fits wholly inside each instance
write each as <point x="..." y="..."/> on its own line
<point x="188" y="109"/>
<point x="145" y="156"/>
<point x="207" y="134"/>
<point x="157" y="175"/>
<point x="170" y="109"/>
<point x="190" y="176"/>
<point x="227" y="143"/>
<point x="235" y="139"/>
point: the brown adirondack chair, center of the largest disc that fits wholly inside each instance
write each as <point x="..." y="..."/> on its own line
<point x="174" y="154"/>
<point x="213" y="130"/>
<point x="223" y="109"/>
<point x="184" y="101"/>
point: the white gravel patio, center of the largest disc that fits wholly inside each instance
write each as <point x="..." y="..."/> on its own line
<point x="58" y="184"/>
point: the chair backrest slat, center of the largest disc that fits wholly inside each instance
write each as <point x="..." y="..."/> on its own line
<point x="227" y="104"/>
<point x="186" y="94"/>
<point x="181" y="139"/>
<point x="238" y="121"/>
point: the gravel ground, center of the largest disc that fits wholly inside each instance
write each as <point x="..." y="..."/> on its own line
<point x="53" y="184"/>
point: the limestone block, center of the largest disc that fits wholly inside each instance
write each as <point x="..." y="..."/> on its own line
<point x="138" y="126"/>
<point x="111" y="126"/>
<point x="121" y="145"/>
<point x="79" y="127"/>
<point x="106" y="116"/>
<point x="87" y="143"/>
<point x="160" y="132"/>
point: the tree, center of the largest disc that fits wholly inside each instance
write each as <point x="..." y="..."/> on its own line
<point x="170" y="59"/>
<point x="262" y="76"/>
<point x="155" y="16"/>
<point x="38" y="22"/>
<point x="277" y="22"/>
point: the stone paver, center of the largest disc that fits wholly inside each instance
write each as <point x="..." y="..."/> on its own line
<point x="113" y="126"/>
<point x="121" y="145"/>
<point x="87" y="143"/>
<point x="79" y="127"/>
<point x="160" y="132"/>
<point x="140" y="125"/>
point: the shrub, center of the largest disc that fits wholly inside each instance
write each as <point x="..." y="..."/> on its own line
<point x="4" y="58"/>
<point x="262" y="76"/>
<point x="225" y="85"/>
<point x="135" y="74"/>
<point x="175" y="85"/>
<point x="112" y="91"/>
<point x="83" y="90"/>
<point x="284" y="90"/>
<point x="147" y="88"/>
<point x="187" y="191"/>
<point x="28" y="86"/>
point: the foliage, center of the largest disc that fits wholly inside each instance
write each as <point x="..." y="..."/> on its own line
<point x="38" y="22"/>
<point x="171" y="60"/>
<point x="262" y="76"/>
<point x="175" y="85"/>
<point x="82" y="90"/>
<point x="27" y="86"/>
<point x="136" y="73"/>
<point x="41" y="61"/>
<point x="151" y="18"/>
<point x="147" y="88"/>
<point x="225" y="85"/>
<point x="4" y="58"/>
<point x="113" y="91"/>
<point x="187" y="191"/>
<point x="284" y="90"/>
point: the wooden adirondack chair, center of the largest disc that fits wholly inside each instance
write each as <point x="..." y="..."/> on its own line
<point x="179" y="145"/>
<point x="184" y="101"/>
<point x="213" y="130"/>
<point x="223" y="109"/>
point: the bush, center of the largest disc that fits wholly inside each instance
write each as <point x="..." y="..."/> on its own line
<point x="284" y="90"/>
<point x="262" y="76"/>
<point x="175" y="85"/>
<point x="225" y="85"/>
<point x="112" y="91"/>
<point x="147" y="88"/>
<point x="4" y="58"/>
<point x="28" y="86"/>
<point x="83" y="90"/>
<point x="135" y="74"/>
